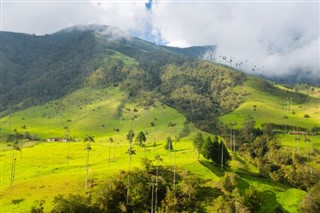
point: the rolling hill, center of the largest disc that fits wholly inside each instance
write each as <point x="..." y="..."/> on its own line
<point x="99" y="81"/>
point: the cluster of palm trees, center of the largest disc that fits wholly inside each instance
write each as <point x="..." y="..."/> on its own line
<point x="231" y="62"/>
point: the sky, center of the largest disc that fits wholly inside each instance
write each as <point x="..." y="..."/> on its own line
<point x="271" y="37"/>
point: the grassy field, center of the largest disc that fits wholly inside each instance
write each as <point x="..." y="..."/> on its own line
<point x="90" y="111"/>
<point x="45" y="170"/>
<point x="270" y="108"/>
<point x="42" y="172"/>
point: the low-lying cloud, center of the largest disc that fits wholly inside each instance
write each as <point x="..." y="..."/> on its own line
<point x="270" y="38"/>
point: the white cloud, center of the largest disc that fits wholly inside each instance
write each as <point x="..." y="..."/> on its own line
<point x="283" y="37"/>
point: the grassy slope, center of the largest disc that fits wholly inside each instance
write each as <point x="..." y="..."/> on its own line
<point x="43" y="173"/>
<point x="272" y="109"/>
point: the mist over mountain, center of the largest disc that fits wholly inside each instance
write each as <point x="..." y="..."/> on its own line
<point x="36" y="69"/>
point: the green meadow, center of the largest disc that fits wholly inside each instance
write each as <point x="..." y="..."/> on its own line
<point x="45" y="169"/>
<point x="266" y="107"/>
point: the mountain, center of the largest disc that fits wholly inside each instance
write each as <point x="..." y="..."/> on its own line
<point x="37" y="69"/>
<point x="198" y="52"/>
<point x="98" y="82"/>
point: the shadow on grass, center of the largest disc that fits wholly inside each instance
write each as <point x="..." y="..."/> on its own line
<point x="269" y="201"/>
<point x="214" y="169"/>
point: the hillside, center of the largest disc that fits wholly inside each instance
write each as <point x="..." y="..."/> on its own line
<point x="38" y="69"/>
<point x="41" y="177"/>
<point x="227" y="140"/>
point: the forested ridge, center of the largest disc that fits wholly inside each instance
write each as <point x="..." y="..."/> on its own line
<point x="37" y="69"/>
<point x="234" y="130"/>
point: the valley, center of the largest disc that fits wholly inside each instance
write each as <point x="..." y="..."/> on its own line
<point x="66" y="130"/>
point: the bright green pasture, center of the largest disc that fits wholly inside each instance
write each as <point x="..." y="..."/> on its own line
<point x="42" y="172"/>
<point x="272" y="109"/>
<point x="299" y="141"/>
<point x="90" y="111"/>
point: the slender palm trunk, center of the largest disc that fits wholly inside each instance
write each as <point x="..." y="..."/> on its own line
<point x="156" y="198"/>
<point x="13" y="165"/>
<point x="221" y="155"/>
<point x="174" y="167"/>
<point x="234" y="142"/>
<point x="114" y="150"/>
<point x="87" y="169"/>
<point x="128" y="188"/>
<point x="152" y="192"/>
<point x="68" y="157"/>
<point x="21" y="144"/>
<point x="109" y="151"/>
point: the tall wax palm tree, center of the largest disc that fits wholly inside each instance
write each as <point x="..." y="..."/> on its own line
<point x="67" y="130"/>
<point x="130" y="152"/>
<point x="110" y="141"/>
<point x="16" y="148"/>
<point x="24" y="127"/>
<point x="88" y="140"/>
<point x="159" y="160"/>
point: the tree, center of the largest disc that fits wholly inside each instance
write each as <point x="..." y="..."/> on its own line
<point x="16" y="148"/>
<point x="141" y="139"/>
<point x="225" y="156"/>
<point x="110" y="141"/>
<point x="24" y="127"/>
<point x="159" y="160"/>
<point x="74" y="203"/>
<point x="67" y="137"/>
<point x="169" y="145"/>
<point x="130" y="136"/>
<point x="306" y="116"/>
<point x="207" y="148"/>
<point x="88" y="140"/>
<point x="311" y="202"/>
<point x="215" y="151"/>
<point x="197" y="143"/>
<point x="130" y="152"/>
<point x="252" y="198"/>
<point x="248" y="129"/>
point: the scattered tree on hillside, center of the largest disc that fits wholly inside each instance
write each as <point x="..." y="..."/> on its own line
<point x="197" y="143"/>
<point x="248" y="129"/>
<point x="67" y="131"/>
<point x="16" y="148"/>
<point x="130" y="152"/>
<point x="307" y="116"/>
<point x="311" y="201"/>
<point x="141" y="139"/>
<point x="110" y="141"/>
<point x="215" y="151"/>
<point x="130" y="136"/>
<point x="88" y="140"/>
<point x="169" y="145"/>
<point x="159" y="160"/>
<point x="23" y="127"/>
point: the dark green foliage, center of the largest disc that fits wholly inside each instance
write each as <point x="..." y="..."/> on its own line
<point x="311" y="202"/>
<point x="72" y="204"/>
<point x="209" y="149"/>
<point x="198" y="143"/>
<point x="275" y="161"/>
<point x="213" y="150"/>
<point x="169" y="145"/>
<point x="248" y="129"/>
<point x="315" y="130"/>
<point x="229" y="181"/>
<point x="266" y="86"/>
<point x="130" y="135"/>
<point x="141" y="138"/>
<point x="252" y="198"/>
